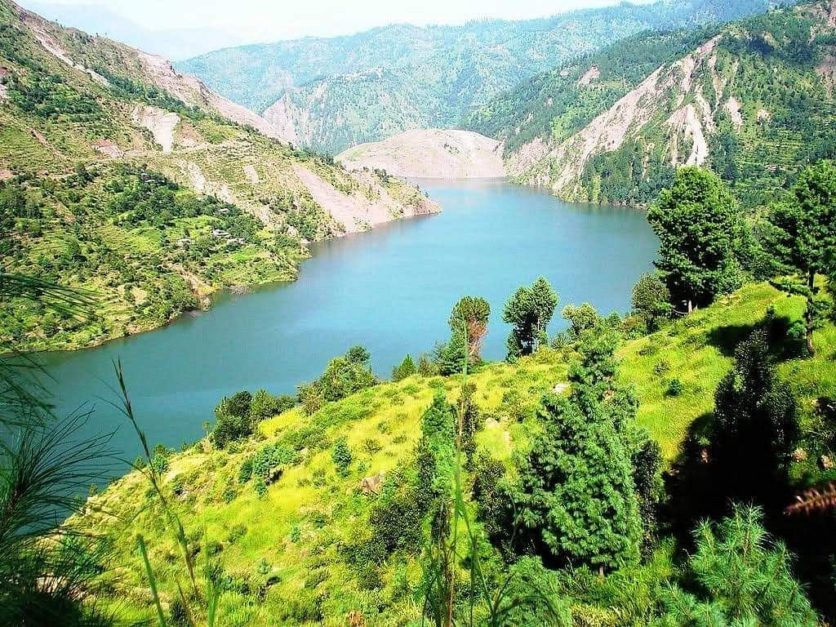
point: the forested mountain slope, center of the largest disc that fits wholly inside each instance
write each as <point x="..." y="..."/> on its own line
<point x="332" y="93"/>
<point x="120" y="176"/>
<point x="753" y="100"/>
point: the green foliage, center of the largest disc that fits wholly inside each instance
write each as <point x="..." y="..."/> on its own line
<point x="755" y="423"/>
<point x="738" y="575"/>
<point x="577" y="496"/>
<point x="232" y="419"/>
<point x="529" y="310"/>
<point x="468" y="326"/>
<point x="341" y="456"/>
<point x="698" y="223"/>
<point x="404" y="370"/>
<point x="344" y="376"/>
<point x="580" y="318"/>
<point x="803" y="237"/>
<point x="651" y="300"/>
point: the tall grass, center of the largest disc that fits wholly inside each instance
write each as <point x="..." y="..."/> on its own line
<point x="196" y="603"/>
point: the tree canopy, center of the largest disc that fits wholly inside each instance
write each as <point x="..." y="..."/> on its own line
<point x="529" y="310"/>
<point x="700" y="229"/>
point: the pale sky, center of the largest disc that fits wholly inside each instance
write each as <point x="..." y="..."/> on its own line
<point x="265" y="20"/>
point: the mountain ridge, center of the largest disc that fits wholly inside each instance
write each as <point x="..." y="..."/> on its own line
<point x="453" y="69"/>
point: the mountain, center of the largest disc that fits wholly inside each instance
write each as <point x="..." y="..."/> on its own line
<point x="336" y="92"/>
<point x="143" y="187"/>
<point x="430" y="153"/>
<point x="753" y="100"/>
<point x="170" y="43"/>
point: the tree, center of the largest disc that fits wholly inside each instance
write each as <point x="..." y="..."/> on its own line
<point x="405" y="369"/>
<point x="738" y="576"/>
<point x="580" y="318"/>
<point x="341" y="455"/>
<point x="344" y="376"/>
<point x="263" y="405"/>
<point x="755" y="424"/>
<point x="577" y="499"/>
<point x="804" y="235"/>
<point x="233" y="421"/>
<point x="468" y="326"/>
<point x="651" y="300"/>
<point x="529" y="310"/>
<point x="470" y="317"/>
<point x="699" y="228"/>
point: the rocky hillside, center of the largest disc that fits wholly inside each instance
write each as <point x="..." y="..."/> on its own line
<point x="431" y="153"/>
<point x="121" y="176"/>
<point x="329" y="94"/>
<point x="753" y="100"/>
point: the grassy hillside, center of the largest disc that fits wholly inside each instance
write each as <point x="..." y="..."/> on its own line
<point x="89" y="127"/>
<point x="286" y="524"/>
<point x="753" y="100"/>
<point x="333" y="93"/>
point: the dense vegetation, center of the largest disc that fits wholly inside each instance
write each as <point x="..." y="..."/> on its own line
<point x="344" y="91"/>
<point x="752" y="100"/>
<point x="147" y="248"/>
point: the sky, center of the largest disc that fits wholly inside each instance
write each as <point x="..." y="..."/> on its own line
<point x="272" y="20"/>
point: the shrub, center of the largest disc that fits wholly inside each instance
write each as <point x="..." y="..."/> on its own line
<point x="406" y="369"/>
<point x="341" y="455"/>
<point x="675" y="388"/>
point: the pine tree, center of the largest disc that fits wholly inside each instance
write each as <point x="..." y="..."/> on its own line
<point x="578" y="499"/>
<point x="804" y="235"/>
<point x="699" y="228"/>
<point x="529" y="310"/>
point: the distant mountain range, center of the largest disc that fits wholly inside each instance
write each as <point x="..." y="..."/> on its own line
<point x="329" y="94"/>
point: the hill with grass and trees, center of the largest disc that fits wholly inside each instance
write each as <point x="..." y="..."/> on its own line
<point x="636" y="469"/>
<point x="752" y="100"/>
<point x="120" y="176"/>
<point x="332" y="93"/>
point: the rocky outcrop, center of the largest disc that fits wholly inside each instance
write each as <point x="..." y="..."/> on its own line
<point x="430" y="153"/>
<point x="365" y="208"/>
<point x="669" y="97"/>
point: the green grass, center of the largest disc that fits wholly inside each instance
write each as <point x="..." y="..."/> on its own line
<point x="295" y="533"/>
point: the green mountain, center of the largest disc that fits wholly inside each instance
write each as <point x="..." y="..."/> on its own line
<point x="122" y="177"/>
<point x="331" y="93"/>
<point x="754" y="100"/>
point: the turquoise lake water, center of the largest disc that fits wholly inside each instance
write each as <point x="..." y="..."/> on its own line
<point x="390" y="290"/>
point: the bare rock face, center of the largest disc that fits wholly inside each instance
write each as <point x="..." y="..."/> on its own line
<point x="430" y="153"/>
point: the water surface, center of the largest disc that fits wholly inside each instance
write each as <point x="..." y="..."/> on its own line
<point x="390" y="290"/>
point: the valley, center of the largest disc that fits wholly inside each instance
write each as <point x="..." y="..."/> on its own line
<point x="501" y="320"/>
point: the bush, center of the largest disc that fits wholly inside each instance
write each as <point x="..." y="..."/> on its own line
<point x="406" y="369"/>
<point x="344" y="376"/>
<point x="341" y="455"/>
<point x="675" y="388"/>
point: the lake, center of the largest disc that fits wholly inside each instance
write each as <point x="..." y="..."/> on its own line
<point x="390" y="290"/>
